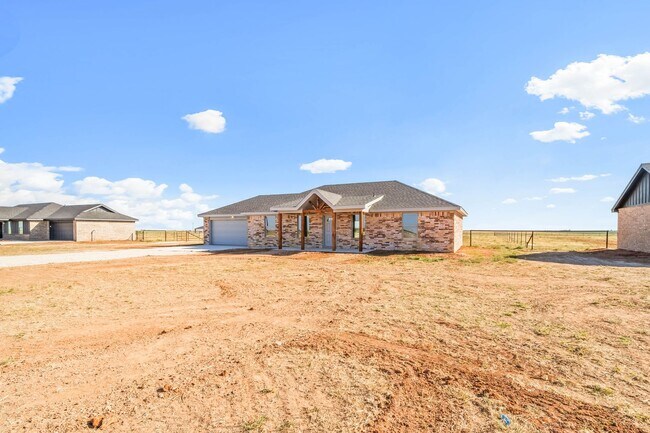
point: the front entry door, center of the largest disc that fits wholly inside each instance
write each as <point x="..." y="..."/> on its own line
<point x="327" y="231"/>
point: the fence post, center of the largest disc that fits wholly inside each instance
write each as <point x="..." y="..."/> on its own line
<point x="532" y="240"/>
<point x="607" y="240"/>
<point x="470" y="238"/>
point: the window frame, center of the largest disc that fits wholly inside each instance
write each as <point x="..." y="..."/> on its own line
<point x="273" y="232"/>
<point x="409" y="234"/>
<point x="356" y="226"/>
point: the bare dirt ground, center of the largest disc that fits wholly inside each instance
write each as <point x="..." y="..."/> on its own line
<point x="48" y="247"/>
<point x="310" y="342"/>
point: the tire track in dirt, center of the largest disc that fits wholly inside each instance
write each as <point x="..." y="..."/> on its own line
<point x="421" y="378"/>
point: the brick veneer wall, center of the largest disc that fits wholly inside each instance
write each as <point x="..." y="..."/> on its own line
<point x="257" y="233"/>
<point x="344" y="239"/>
<point x="290" y="234"/>
<point x="634" y="228"/>
<point x="39" y="230"/>
<point x="437" y="232"/>
<point x="315" y="237"/>
<point x="104" y="231"/>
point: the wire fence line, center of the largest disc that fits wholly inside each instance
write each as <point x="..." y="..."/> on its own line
<point x="542" y="239"/>
<point x="168" y="236"/>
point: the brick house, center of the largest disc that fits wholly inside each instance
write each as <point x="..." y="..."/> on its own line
<point x="633" y="207"/>
<point x="52" y="221"/>
<point x="357" y="216"/>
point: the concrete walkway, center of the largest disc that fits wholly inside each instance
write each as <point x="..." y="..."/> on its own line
<point x="96" y="256"/>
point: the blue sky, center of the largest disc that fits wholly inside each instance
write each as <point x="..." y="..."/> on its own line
<point x="409" y="91"/>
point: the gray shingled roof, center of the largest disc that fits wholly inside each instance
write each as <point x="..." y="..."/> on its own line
<point x="57" y="212"/>
<point x="396" y="196"/>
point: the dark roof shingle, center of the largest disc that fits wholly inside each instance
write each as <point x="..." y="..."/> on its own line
<point x="394" y="195"/>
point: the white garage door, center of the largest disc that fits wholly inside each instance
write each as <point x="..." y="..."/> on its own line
<point x="229" y="232"/>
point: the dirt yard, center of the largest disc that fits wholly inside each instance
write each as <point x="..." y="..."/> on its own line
<point x="8" y="248"/>
<point x="309" y="342"/>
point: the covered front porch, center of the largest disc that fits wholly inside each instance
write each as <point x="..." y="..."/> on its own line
<point x="315" y="223"/>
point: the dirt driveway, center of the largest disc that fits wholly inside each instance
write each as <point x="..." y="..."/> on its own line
<point x="308" y="342"/>
<point x="97" y="256"/>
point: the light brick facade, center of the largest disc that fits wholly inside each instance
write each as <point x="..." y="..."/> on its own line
<point x="440" y="231"/>
<point x="634" y="228"/>
<point x="86" y="231"/>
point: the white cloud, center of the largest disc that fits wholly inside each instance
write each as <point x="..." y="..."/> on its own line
<point x="433" y="186"/>
<point x="583" y="178"/>
<point x="536" y="198"/>
<point x="509" y="201"/>
<point x="211" y="121"/>
<point x="326" y="166"/>
<point x="562" y="191"/>
<point x="636" y="119"/>
<point x="562" y="131"/>
<point x="132" y="187"/>
<point x="586" y="115"/>
<point x="607" y="199"/>
<point x="26" y="182"/>
<point x="601" y="83"/>
<point x="8" y="87"/>
<point x="2" y="150"/>
<point x="550" y="206"/>
<point x="564" y="110"/>
<point x="69" y="168"/>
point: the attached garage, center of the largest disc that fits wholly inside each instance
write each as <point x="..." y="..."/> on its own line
<point x="62" y="231"/>
<point x="229" y="232"/>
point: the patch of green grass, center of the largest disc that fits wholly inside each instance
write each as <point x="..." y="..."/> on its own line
<point x="542" y="331"/>
<point x="6" y="361"/>
<point x="520" y="305"/>
<point x="577" y="349"/>
<point x="254" y="425"/>
<point x="7" y="291"/>
<point x="425" y="259"/>
<point x="265" y="391"/>
<point x="601" y="390"/>
<point x="625" y="340"/>
<point x="503" y="325"/>
<point x="581" y="335"/>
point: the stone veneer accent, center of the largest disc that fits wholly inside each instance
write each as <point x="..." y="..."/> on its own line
<point x="437" y="232"/>
<point x="206" y="230"/>
<point x="634" y="228"/>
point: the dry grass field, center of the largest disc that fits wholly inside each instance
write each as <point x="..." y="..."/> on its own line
<point x="309" y="342"/>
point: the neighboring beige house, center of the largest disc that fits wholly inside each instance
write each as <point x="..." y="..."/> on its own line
<point x="356" y="216"/>
<point x="633" y="207"/>
<point x="52" y="221"/>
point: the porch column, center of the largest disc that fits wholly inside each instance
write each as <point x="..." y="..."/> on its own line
<point x="360" y="231"/>
<point x="334" y="231"/>
<point x="279" y="231"/>
<point x="303" y="220"/>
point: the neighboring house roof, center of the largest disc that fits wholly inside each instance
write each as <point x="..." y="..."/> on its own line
<point x="375" y="196"/>
<point x="642" y="174"/>
<point x="57" y="212"/>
